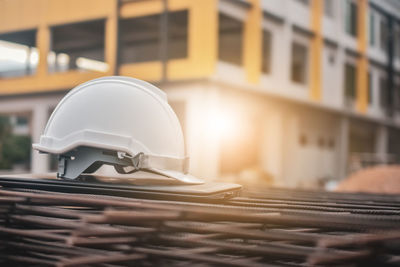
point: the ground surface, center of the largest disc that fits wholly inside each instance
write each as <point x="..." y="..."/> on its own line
<point x="380" y="179"/>
<point x="272" y="227"/>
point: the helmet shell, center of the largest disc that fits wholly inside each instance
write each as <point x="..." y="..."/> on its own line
<point x="116" y="113"/>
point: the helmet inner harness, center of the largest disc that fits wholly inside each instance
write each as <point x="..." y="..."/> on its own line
<point x="86" y="160"/>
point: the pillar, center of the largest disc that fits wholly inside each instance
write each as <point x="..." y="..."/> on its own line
<point x="362" y="61"/>
<point x="252" y="42"/>
<point x="343" y="142"/>
<point x="111" y="40"/>
<point x="316" y="50"/>
<point x="39" y="162"/>
<point x="272" y="146"/>
<point x="381" y="141"/>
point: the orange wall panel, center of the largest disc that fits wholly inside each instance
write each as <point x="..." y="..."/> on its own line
<point x="27" y="14"/>
<point x="316" y="50"/>
<point x="362" y="62"/>
<point x="19" y="14"/>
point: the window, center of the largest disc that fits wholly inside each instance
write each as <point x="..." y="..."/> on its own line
<point x="397" y="41"/>
<point x="383" y="34"/>
<point x="266" y="50"/>
<point x="351" y="18"/>
<point x="141" y="37"/>
<point x="230" y="39"/>
<point x="18" y="54"/>
<point x="350" y="80"/>
<point x="177" y="34"/>
<point x="321" y="142"/>
<point x="332" y="59"/>
<point x="396" y="92"/>
<point x="330" y="53"/>
<point x="16" y="147"/>
<point x="329" y="8"/>
<point x="22" y="121"/>
<point x="370" y="88"/>
<point x="383" y="92"/>
<point x="78" y="46"/>
<point x="304" y="2"/>
<point x="303" y="139"/>
<point x="371" y="29"/>
<point x="299" y="63"/>
<point x="331" y="143"/>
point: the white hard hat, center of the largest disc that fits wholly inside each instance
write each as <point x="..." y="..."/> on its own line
<point x="118" y="121"/>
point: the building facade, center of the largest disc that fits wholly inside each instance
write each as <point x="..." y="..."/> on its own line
<point x="290" y="92"/>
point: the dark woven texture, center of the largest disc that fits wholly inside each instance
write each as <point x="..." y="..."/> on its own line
<point x="273" y="227"/>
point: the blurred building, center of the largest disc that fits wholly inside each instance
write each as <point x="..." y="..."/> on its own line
<point x="286" y="91"/>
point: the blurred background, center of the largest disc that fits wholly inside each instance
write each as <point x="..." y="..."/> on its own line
<point x="294" y="93"/>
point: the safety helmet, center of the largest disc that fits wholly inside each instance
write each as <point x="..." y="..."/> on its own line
<point x="117" y="121"/>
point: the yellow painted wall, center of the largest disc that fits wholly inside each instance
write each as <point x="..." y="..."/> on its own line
<point x="51" y="82"/>
<point x="149" y="71"/>
<point x="27" y="14"/>
<point x="23" y="14"/>
<point x="111" y="39"/>
<point x="202" y="44"/>
<point x="316" y="12"/>
<point x="253" y="42"/>
<point x="19" y="14"/>
<point x="362" y="61"/>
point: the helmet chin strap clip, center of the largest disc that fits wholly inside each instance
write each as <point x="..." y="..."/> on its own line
<point x="137" y="160"/>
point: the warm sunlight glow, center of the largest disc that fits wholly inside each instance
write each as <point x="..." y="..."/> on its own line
<point x="62" y="59"/>
<point x="34" y="57"/>
<point x="13" y="52"/>
<point x="90" y="64"/>
<point x="220" y="124"/>
<point x="17" y="56"/>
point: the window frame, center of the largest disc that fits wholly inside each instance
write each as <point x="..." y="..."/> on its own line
<point x="383" y="33"/>
<point x="74" y="66"/>
<point x="237" y="18"/>
<point x="383" y="92"/>
<point x="332" y="12"/>
<point x="31" y="48"/>
<point x="156" y="55"/>
<point x="372" y="28"/>
<point x="351" y="18"/>
<point x="370" y="81"/>
<point x="304" y="41"/>
<point x="153" y="70"/>
<point x="396" y="92"/>
<point x="269" y="63"/>
<point x="396" y="40"/>
<point x="350" y="94"/>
